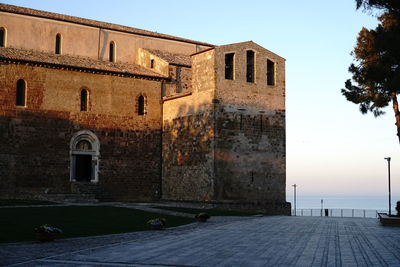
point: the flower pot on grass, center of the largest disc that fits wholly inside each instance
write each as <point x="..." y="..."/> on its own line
<point x="202" y="217"/>
<point x="157" y="223"/>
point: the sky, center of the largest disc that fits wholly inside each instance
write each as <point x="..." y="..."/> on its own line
<point x="332" y="149"/>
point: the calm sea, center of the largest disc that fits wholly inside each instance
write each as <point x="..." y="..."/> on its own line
<point x="344" y="202"/>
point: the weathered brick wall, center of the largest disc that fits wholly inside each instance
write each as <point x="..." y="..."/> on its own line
<point x="182" y="76"/>
<point x="203" y="71"/>
<point x="35" y="140"/>
<point x="188" y="162"/>
<point x="181" y="81"/>
<point x="258" y="95"/>
<point x="250" y="155"/>
<point x="34" y="152"/>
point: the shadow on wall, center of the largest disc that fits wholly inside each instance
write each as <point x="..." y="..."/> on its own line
<point x="105" y="45"/>
<point x="35" y="153"/>
<point x="210" y="153"/>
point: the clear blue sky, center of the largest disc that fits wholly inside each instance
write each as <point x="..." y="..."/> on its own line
<point x="332" y="149"/>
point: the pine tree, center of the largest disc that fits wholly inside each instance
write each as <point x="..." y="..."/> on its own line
<point x="375" y="79"/>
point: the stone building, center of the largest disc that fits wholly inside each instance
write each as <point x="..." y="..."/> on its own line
<point x="109" y="112"/>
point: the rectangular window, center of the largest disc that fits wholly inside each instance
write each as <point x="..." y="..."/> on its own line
<point x="229" y="66"/>
<point x="270" y="72"/>
<point x="250" y="66"/>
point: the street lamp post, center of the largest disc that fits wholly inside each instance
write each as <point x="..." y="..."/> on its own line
<point x="390" y="200"/>
<point x="294" y="187"/>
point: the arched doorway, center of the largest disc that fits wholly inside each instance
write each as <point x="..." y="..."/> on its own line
<point x="84" y="155"/>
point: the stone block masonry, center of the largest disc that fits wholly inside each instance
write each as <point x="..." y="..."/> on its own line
<point x="250" y="155"/>
<point x="35" y="140"/>
<point x="188" y="157"/>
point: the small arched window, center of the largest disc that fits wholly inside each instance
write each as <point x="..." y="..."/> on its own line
<point x="84" y="100"/>
<point x="58" y="43"/>
<point x="21" y="93"/>
<point x="141" y="105"/>
<point x="112" y="51"/>
<point x="3" y="37"/>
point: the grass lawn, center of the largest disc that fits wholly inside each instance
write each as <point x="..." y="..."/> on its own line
<point x="20" y="202"/>
<point x="17" y="224"/>
<point x="211" y="212"/>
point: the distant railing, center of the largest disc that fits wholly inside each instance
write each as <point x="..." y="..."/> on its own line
<point x="354" y="213"/>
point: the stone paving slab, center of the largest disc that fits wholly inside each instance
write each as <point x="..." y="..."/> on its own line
<point x="259" y="241"/>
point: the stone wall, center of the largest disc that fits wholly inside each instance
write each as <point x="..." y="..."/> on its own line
<point x="203" y="71"/>
<point x="188" y="147"/>
<point x="258" y="95"/>
<point x="35" y="140"/>
<point x="188" y="157"/>
<point x="250" y="155"/>
<point x="188" y="137"/>
<point x="182" y="77"/>
<point x="247" y="120"/>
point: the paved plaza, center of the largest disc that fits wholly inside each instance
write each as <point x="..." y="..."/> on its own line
<point x="225" y="241"/>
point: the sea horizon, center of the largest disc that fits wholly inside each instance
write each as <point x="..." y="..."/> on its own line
<point x="367" y="202"/>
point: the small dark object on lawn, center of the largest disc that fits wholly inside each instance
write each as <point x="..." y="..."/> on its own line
<point x="202" y="217"/>
<point x="157" y="223"/>
<point x="47" y="232"/>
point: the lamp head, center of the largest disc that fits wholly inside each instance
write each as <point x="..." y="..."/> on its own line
<point x="388" y="158"/>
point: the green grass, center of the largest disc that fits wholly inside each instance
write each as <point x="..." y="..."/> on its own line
<point x="17" y="224"/>
<point x="211" y="212"/>
<point x="20" y="202"/>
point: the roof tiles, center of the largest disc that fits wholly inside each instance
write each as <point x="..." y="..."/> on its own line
<point x="74" y="62"/>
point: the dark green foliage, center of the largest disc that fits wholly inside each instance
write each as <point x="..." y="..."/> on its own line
<point x="376" y="74"/>
<point x="21" y="202"/>
<point x="379" y="4"/>
<point x="18" y="224"/>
